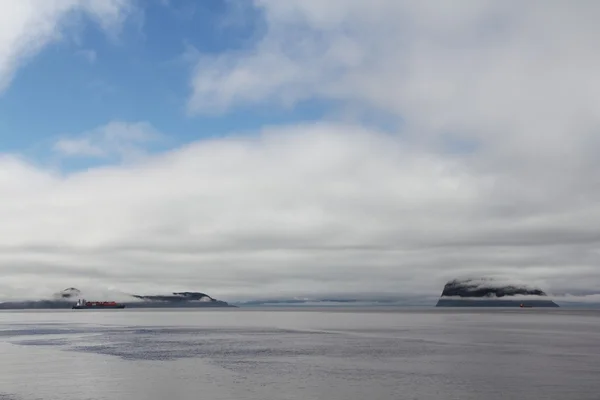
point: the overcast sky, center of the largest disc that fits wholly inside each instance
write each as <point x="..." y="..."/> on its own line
<point x="299" y="147"/>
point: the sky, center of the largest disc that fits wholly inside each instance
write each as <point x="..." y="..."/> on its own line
<point x="272" y="149"/>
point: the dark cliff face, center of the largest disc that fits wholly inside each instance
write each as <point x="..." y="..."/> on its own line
<point x="486" y="288"/>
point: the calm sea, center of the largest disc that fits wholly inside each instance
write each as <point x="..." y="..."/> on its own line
<point x="300" y="354"/>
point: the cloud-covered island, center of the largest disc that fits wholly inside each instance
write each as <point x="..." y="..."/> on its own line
<point x="488" y="292"/>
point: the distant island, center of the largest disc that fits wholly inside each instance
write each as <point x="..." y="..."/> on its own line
<point x="488" y="292"/>
<point x="69" y="296"/>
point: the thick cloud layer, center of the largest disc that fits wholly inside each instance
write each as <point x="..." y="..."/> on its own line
<point x="493" y="171"/>
<point x="317" y="209"/>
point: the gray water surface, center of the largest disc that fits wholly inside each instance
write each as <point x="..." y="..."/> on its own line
<point x="300" y="354"/>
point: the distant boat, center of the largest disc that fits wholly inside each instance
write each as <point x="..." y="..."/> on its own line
<point x="525" y="306"/>
<point x="83" y="304"/>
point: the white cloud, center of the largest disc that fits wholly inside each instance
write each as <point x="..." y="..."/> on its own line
<point x="29" y="25"/>
<point x="491" y="71"/>
<point x="314" y="209"/>
<point x="122" y="140"/>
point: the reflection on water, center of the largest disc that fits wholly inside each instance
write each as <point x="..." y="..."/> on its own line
<point x="241" y="354"/>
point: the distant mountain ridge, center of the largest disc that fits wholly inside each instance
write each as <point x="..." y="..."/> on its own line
<point x="177" y="296"/>
<point x="67" y="297"/>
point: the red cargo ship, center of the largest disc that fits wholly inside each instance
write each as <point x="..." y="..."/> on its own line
<point x="83" y="304"/>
